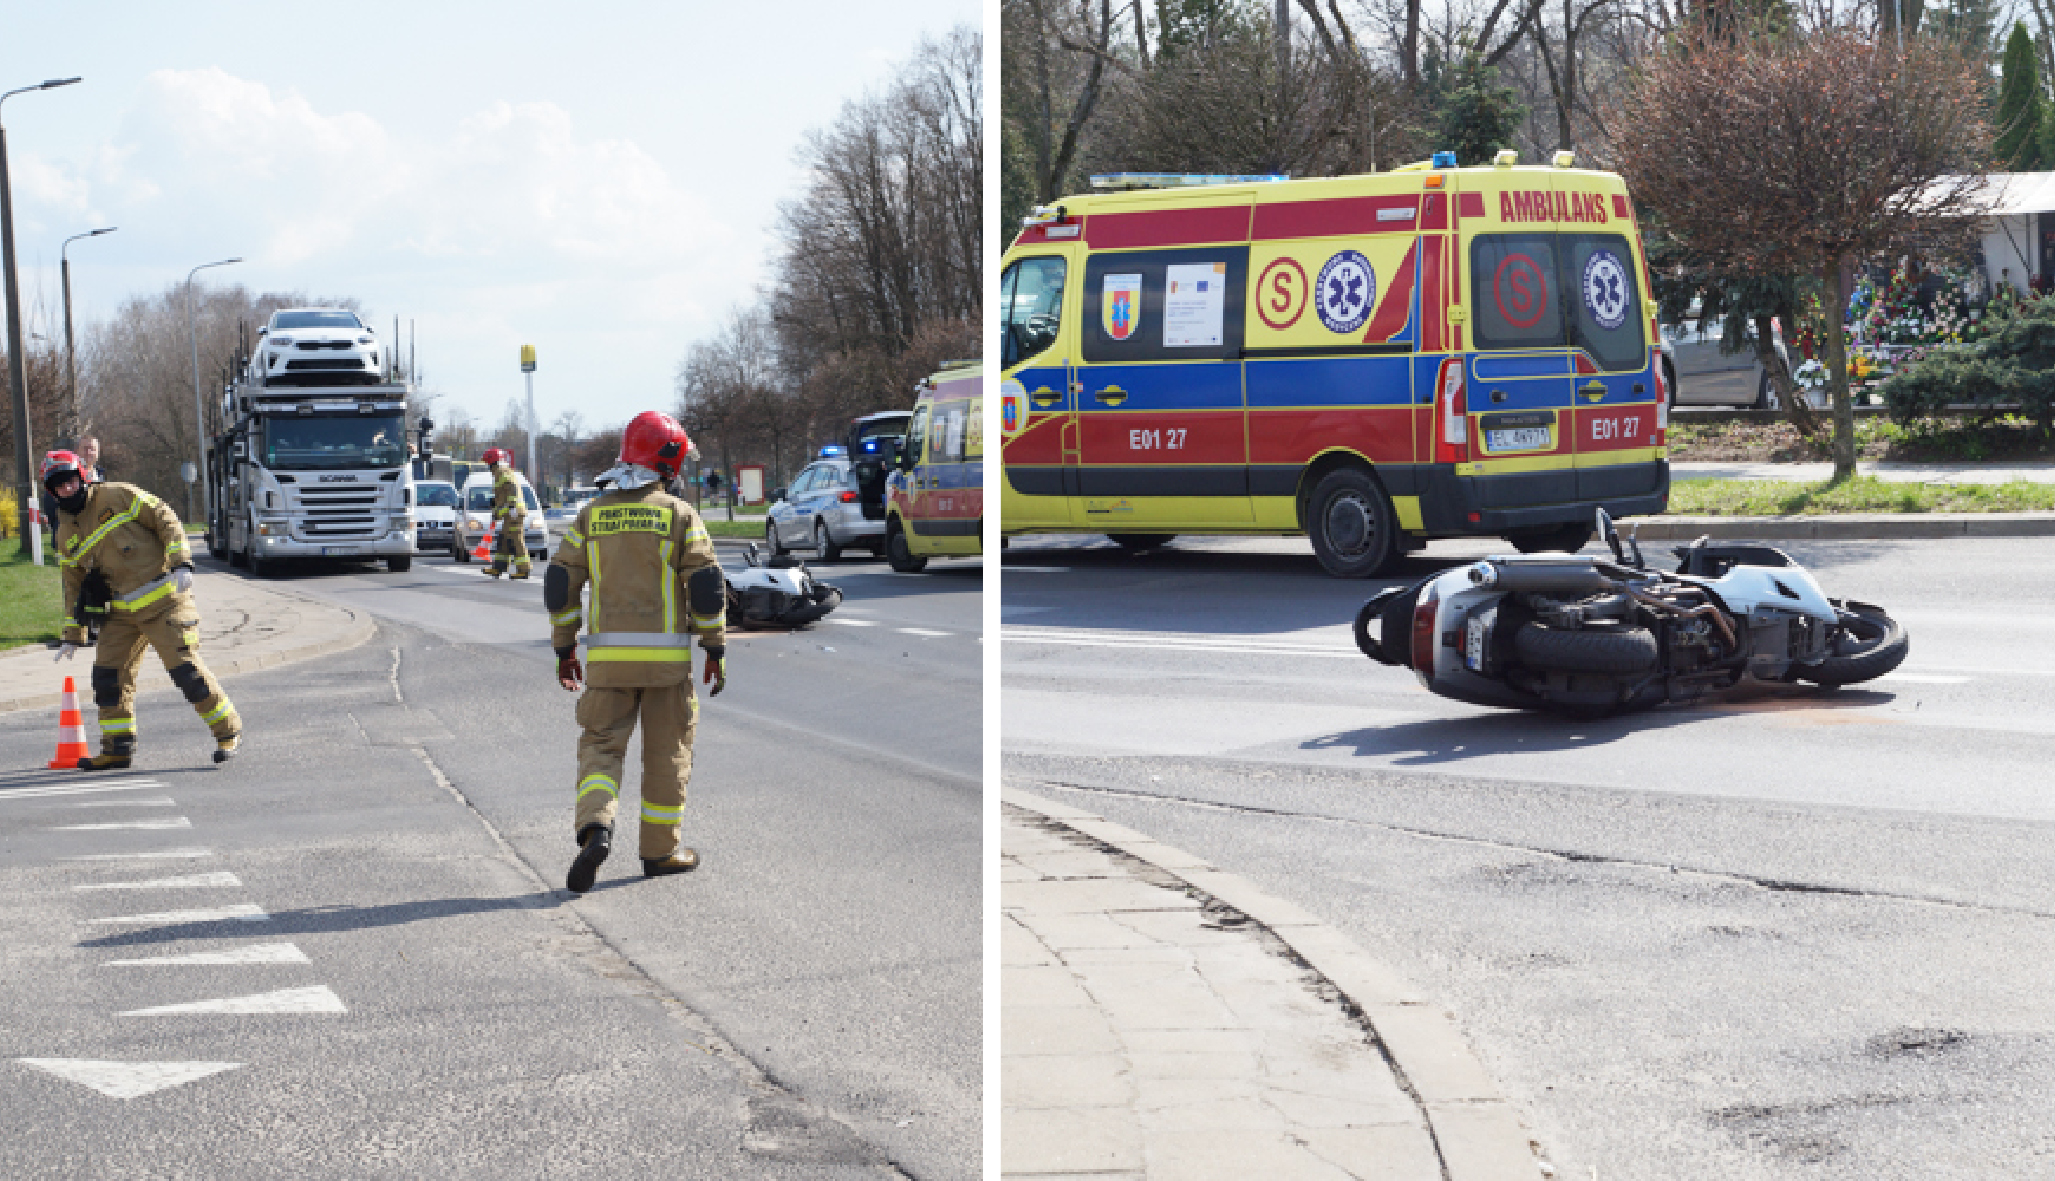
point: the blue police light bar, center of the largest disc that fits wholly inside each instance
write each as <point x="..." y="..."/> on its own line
<point x="1178" y="180"/>
<point x="1444" y="159"/>
<point x="833" y="451"/>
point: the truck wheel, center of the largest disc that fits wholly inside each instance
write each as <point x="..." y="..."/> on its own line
<point x="1349" y="519"/>
<point x="900" y="554"/>
<point x="238" y="558"/>
<point x="400" y="565"/>
<point x="1136" y="543"/>
<point x="259" y="568"/>
<point x="823" y="544"/>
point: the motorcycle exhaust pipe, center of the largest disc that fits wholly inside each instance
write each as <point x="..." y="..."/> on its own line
<point x="1556" y="578"/>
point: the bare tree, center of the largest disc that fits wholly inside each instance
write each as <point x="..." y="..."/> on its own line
<point x="1828" y="149"/>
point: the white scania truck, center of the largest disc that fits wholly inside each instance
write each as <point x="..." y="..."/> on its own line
<point x="312" y="472"/>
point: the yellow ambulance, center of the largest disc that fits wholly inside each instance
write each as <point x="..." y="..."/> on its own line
<point x="1372" y="361"/>
<point x="935" y="501"/>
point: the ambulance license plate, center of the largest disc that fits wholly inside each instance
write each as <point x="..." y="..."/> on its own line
<point x="338" y="551"/>
<point x="1521" y="439"/>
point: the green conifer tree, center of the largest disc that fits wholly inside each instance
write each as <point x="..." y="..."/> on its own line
<point x="2020" y="108"/>
<point x="1478" y="116"/>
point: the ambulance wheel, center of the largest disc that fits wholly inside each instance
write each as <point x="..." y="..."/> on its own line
<point x="1670" y="380"/>
<point x="1354" y="532"/>
<point x="1567" y="538"/>
<point x="823" y="544"/>
<point x="901" y="555"/>
<point x="1136" y="543"/>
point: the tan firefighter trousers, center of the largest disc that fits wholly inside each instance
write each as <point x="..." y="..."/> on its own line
<point x="172" y="626"/>
<point x="669" y="715"/>
<point x="511" y="546"/>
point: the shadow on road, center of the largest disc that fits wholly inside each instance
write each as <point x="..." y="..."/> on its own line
<point x="327" y="920"/>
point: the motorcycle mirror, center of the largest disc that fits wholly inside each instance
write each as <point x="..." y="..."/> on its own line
<point x="1634" y="543"/>
<point x="752" y="553"/>
<point x="1611" y="535"/>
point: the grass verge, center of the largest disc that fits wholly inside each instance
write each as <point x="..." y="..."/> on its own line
<point x="1864" y="494"/>
<point x="744" y="528"/>
<point x="31" y="603"/>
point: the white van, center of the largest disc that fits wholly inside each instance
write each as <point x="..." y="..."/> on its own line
<point x="474" y="517"/>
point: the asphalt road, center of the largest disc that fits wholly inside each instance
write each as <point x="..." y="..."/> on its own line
<point x="808" y="1004"/>
<point x="1804" y="935"/>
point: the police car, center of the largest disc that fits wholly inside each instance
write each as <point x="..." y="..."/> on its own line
<point x="822" y="510"/>
<point x="1371" y="361"/>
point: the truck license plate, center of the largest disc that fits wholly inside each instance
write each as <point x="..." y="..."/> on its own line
<point x="1527" y="438"/>
<point x="338" y="551"/>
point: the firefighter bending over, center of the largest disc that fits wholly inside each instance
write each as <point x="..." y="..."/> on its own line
<point x="135" y="542"/>
<point x="655" y="585"/>
<point x="509" y="513"/>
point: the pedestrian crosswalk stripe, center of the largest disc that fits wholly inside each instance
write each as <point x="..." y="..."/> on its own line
<point x="197" y="881"/>
<point x="246" y="912"/>
<point x="74" y="789"/>
<point x="126" y="1080"/>
<point x="921" y="631"/>
<point x="154" y="854"/>
<point x="151" y="802"/>
<point x="259" y="953"/>
<point x="172" y="822"/>
<point x="855" y="622"/>
<point x="315" y="998"/>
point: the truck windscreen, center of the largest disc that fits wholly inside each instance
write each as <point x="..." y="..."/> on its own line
<point x="314" y="442"/>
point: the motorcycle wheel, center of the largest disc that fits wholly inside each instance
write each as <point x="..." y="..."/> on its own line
<point x="1869" y="645"/>
<point x="1626" y="652"/>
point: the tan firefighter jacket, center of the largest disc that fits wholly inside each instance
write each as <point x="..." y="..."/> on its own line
<point x="655" y="585"/>
<point x="507" y="506"/>
<point x="130" y="536"/>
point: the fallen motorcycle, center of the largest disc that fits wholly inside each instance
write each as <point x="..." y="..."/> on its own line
<point x="780" y="592"/>
<point x="1591" y="636"/>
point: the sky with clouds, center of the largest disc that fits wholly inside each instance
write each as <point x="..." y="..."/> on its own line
<point x="597" y="179"/>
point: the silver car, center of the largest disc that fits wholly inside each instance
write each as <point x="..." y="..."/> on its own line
<point x="822" y="511"/>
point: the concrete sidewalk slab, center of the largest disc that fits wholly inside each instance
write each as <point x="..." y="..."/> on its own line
<point x="245" y="625"/>
<point x="2037" y="471"/>
<point x="1163" y="1019"/>
<point x="1843" y="526"/>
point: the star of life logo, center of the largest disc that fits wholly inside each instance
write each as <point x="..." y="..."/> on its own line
<point x="1344" y="292"/>
<point x="1605" y="289"/>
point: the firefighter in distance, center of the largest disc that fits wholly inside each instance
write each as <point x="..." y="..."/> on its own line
<point x="134" y="541"/>
<point x="654" y="585"/>
<point x="509" y="513"/>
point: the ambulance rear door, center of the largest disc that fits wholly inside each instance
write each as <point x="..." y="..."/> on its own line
<point x="1608" y="315"/>
<point x="1519" y="391"/>
<point x="1162" y="431"/>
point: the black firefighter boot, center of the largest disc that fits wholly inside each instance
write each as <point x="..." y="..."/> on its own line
<point x="683" y="861"/>
<point x="225" y="748"/>
<point x="595" y="841"/>
<point x="116" y="752"/>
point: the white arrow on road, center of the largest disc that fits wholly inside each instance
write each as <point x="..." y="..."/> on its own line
<point x="126" y="1080"/>
<point x="317" y="998"/>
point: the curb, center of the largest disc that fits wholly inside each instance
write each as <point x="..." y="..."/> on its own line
<point x="360" y="629"/>
<point x="1845" y="526"/>
<point x="1476" y="1130"/>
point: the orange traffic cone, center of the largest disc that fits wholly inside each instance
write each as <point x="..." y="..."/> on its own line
<point x="71" y="732"/>
<point x="483" y="550"/>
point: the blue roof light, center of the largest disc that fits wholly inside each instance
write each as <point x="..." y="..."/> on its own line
<point x="833" y="451"/>
<point x="1444" y="159"/>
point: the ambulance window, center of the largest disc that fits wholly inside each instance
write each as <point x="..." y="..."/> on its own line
<point x="1599" y="277"/>
<point x="974" y="429"/>
<point x="1516" y="301"/>
<point x="917" y="434"/>
<point x="1165" y="305"/>
<point x="1031" y="303"/>
<point x="948" y="433"/>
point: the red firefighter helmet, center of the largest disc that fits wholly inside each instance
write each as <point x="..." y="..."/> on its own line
<point x="498" y="455"/>
<point x="655" y="440"/>
<point x="58" y="464"/>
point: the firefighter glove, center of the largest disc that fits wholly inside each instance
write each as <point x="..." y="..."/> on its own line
<point x="66" y="652"/>
<point x="716" y="670"/>
<point x="182" y="578"/>
<point x="569" y="672"/>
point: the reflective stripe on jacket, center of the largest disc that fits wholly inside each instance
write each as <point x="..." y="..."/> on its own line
<point x="638" y="550"/>
<point x="130" y="536"/>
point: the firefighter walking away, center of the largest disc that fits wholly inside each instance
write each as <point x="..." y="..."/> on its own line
<point x="654" y="585"/>
<point x="509" y="513"/>
<point x="134" y="542"/>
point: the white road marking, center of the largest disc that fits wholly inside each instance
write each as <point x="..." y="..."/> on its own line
<point x="75" y="789"/>
<point x="196" y="881"/>
<point x="242" y="911"/>
<point x="1162" y="642"/>
<point x="261" y="953"/>
<point x="127" y="1080"/>
<point x="315" y="998"/>
<point x="1010" y="568"/>
<point x="173" y="822"/>
<point x="152" y="802"/>
<point x="921" y="631"/>
<point x="854" y="622"/>
<point x="1924" y="679"/>
<point x="163" y="853"/>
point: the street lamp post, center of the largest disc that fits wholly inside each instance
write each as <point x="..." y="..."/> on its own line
<point x="199" y="414"/>
<point x="74" y="422"/>
<point x="17" y="376"/>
